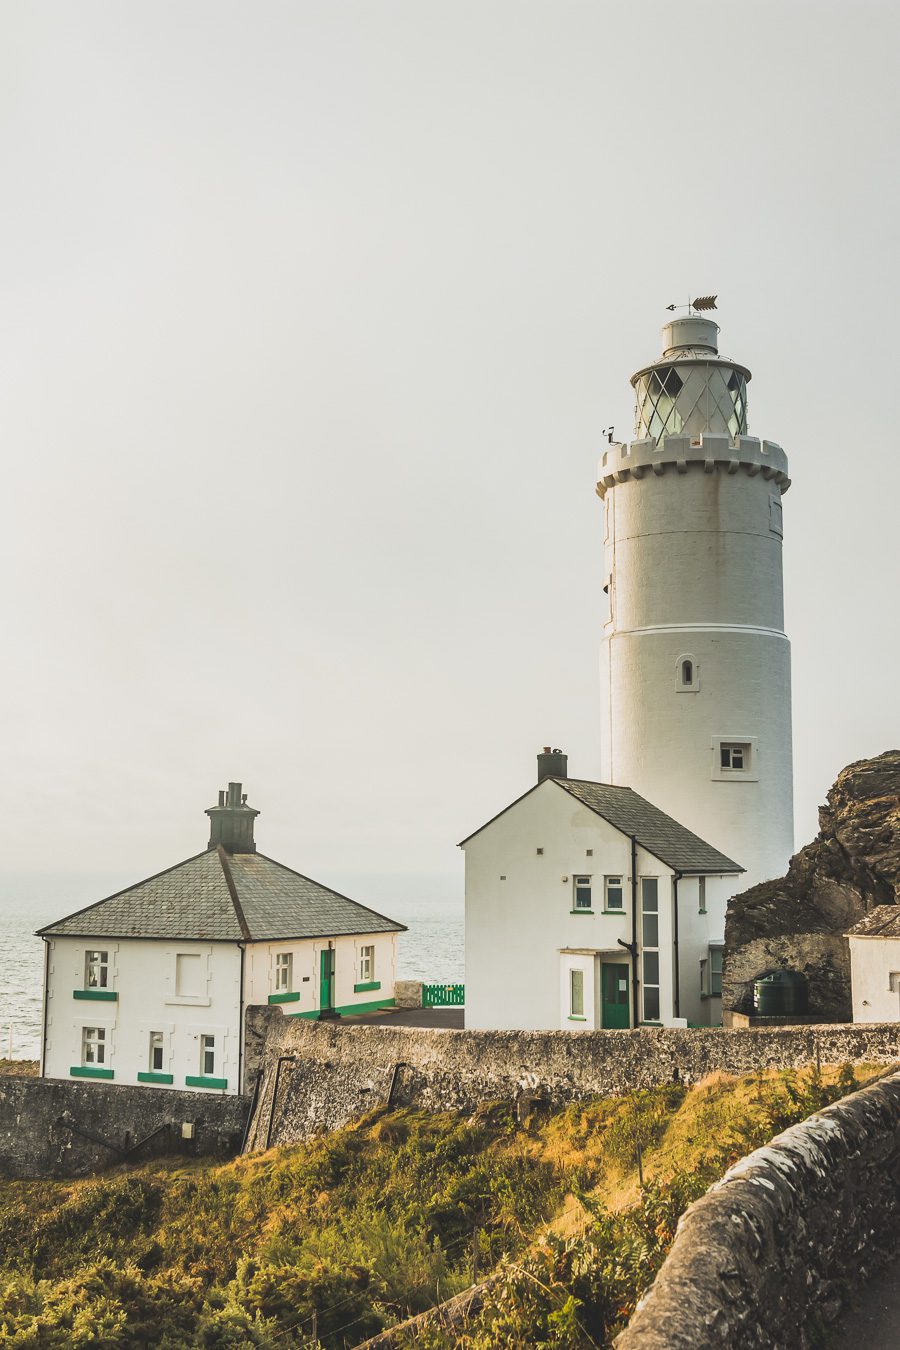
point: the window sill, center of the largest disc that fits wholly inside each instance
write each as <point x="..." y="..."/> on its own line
<point x="581" y="911"/>
<point x="197" y="1081"/>
<point x="88" y="1071"/>
<point x="155" y="1078"/>
<point x="284" y="998"/>
<point x="574" y="1018"/>
<point x="650" y="1024"/>
<point x="364" y="988"/>
<point x="102" y="995"/>
<point x="620" y="913"/>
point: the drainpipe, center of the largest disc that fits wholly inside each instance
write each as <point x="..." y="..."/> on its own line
<point x="243" y="952"/>
<point x="675" y="880"/>
<point x="46" y="942"/>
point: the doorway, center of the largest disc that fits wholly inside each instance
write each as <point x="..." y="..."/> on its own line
<point x="614" y="1013"/>
<point x="326" y="980"/>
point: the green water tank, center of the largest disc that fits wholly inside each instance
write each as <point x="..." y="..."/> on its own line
<point x="780" y="993"/>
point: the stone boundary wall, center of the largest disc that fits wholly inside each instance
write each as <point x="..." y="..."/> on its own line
<point x="53" y="1128"/>
<point x="331" y="1074"/>
<point x="764" y="1258"/>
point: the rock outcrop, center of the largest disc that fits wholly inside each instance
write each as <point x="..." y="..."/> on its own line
<point x="799" y="921"/>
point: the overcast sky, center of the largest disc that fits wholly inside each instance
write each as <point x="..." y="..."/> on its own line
<point x="311" y="315"/>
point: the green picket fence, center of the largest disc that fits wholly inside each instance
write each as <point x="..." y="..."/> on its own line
<point x="443" y="995"/>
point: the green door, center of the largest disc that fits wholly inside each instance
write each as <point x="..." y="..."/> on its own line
<point x="326" y="980"/>
<point x="614" y="979"/>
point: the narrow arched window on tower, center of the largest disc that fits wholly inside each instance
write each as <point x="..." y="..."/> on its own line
<point x="687" y="674"/>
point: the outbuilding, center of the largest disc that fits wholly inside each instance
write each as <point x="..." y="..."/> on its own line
<point x="151" y="984"/>
<point x="875" y="965"/>
<point x="589" y="907"/>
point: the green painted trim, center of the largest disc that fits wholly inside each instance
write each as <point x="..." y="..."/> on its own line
<point x="620" y="912"/>
<point x="104" y="995"/>
<point x="574" y="1018"/>
<point x="284" y="998"/>
<point x="348" y="1008"/>
<point x="194" y="1080"/>
<point x="649" y="1024"/>
<point x="581" y="911"/>
<point x="87" y="1071"/>
<point x="155" y="1078"/>
<point x="705" y="996"/>
<point x="364" y="988"/>
<point x="702" y="911"/>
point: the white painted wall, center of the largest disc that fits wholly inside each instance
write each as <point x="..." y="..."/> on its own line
<point x="142" y="973"/>
<point x="522" y="938"/>
<point x="875" y="978"/>
<point x="695" y="568"/>
<point x="306" y="966"/>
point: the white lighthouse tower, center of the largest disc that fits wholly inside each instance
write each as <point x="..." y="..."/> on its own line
<point x="696" y="672"/>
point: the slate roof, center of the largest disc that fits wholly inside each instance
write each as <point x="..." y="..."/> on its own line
<point x="882" y="921"/>
<point x="658" y="833"/>
<point x="224" y="897"/>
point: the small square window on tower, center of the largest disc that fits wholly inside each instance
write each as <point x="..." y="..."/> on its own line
<point x="734" y="756"/>
<point x="734" y="759"/>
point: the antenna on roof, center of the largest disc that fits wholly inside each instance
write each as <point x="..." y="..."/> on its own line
<point x="702" y="302"/>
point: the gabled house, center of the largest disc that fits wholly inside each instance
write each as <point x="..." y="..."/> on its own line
<point x="875" y="965"/>
<point x="151" y="985"/>
<point x="588" y="907"/>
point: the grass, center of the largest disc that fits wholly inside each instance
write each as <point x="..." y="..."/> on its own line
<point x="22" y="1068"/>
<point x="365" y="1227"/>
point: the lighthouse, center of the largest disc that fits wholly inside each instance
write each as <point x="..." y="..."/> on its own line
<point x="695" y="663"/>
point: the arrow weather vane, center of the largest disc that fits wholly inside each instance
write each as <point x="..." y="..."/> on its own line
<point x="702" y="302"/>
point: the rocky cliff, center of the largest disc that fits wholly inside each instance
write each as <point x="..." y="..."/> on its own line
<point x="799" y="921"/>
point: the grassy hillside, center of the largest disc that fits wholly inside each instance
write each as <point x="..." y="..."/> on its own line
<point x="356" y="1231"/>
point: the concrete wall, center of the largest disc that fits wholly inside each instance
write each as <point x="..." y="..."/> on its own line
<point x="338" y="1073"/>
<point x="764" y="1258"/>
<point x="875" y="978"/>
<point x="70" y="1129"/>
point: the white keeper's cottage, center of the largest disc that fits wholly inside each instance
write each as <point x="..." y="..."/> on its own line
<point x="589" y="907"/>
<point x="151" y="985"/>
<point x="875" y="965"/>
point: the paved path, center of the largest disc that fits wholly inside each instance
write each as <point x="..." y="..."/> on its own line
<point x="874" y="1319"/>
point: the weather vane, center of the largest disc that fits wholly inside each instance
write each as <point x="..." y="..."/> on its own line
<point x="702" y="302"/>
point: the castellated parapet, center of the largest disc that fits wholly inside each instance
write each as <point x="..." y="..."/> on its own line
<point x="710" y="451"/>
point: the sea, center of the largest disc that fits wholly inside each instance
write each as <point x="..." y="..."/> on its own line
<point x="431" y="950"/>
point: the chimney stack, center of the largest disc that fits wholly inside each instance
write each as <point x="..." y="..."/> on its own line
<point x="231" y="822"/>
<point x="552" y="764"/>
